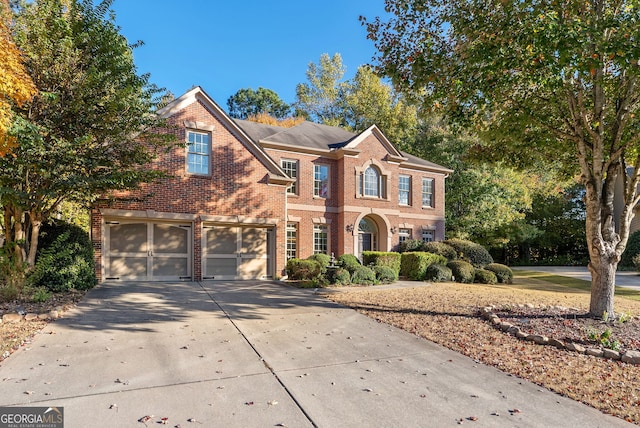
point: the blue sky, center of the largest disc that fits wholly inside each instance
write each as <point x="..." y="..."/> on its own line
<point x="225" y="46"/>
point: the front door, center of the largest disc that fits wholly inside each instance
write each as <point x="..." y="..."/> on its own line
<point x="367" y="236"/>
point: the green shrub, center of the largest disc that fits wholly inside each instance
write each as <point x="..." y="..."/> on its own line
<point x="474" y="253"/>
<point x="12" y="276"/>
<point x="414" y="265"/>
<point x="410" y="245"/>
<point x="385" y="274"/>
<point x="438" y="247"/>
<point x="322" y="259"/>
<point x="338" y="276"/>
<point x="503" y="273"/>
<point x="437" y="272"/>
<point x="633" y="249"/>
<point x="64" y="260"/>
<point x="363" y="276"/>
<point x="303" y="270"/>
<point x="462" y="271"/>
<point x="484" y="276"/>
<point x="382" y="258"/>
<point x="636" y="262"/>
<point x="349" y="262"/>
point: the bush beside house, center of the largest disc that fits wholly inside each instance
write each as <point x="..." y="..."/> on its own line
<point x="413" y="266"/>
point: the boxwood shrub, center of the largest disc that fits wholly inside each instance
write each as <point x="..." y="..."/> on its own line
<point x="414" y="265"/>
<point x="348" y="262"/>
<point x="382" y="258"/>
<point x="441" y="248"/>
<point x="385" y="274"/>
<point x="64" y="260"/>
<point x="474" y="253"/>
<point x="410" y="245"/>
<point x="338" y="276"/>
<point x="322" y="259"/>
<point x="503" y="273"/>
<point x="363" y="275"/>
<point x="303" y="270"/>
<point x="484" y="276"/>
<point x="438" y="273"/>
<point x="462" y="271"/>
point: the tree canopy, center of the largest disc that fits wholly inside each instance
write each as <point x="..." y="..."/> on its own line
<point x="80" y="136"/>
<point x="538" y="80"/>
<point x="247" y="102"/>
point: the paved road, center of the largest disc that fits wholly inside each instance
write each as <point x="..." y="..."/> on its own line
<point x="627" y="279"/>
<point x="260" y="354"/>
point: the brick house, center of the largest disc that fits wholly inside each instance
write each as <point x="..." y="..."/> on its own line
<point x="244" y="197"/>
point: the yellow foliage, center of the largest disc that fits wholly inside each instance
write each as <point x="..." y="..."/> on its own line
<point x="267" y="119"/>
<point x="15" y="84"/>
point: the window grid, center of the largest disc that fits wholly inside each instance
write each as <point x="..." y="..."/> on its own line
<point x="404" y="190"/>
<point x="371" y="182"/>
<point x="321" y="181"/>
<point x="427" y="192"/>
<point x="320" y="239"/>
<point x="292" y="241"/>
<point x="198" y="150"/>
<point x="428" y="235"/>
<point x="290" y="167"/>
<point x="404" y="234"/>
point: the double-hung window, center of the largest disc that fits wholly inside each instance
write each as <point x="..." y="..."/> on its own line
<point x="427" y="235"/>
<point x="292" y="240"/>
<point x="427" y="192"/>
<point x="290" y="167"/>
<point x="198" y="152"/>
<point x="321" y="181"/>
<point x="404" y="235"/>
<point x="320" y="239"/>
<point x="404" y="190"/>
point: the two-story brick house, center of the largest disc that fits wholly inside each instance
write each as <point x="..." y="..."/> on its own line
<point x="244" y="197"/>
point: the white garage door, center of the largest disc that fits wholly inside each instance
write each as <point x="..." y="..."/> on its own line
<point x="236" y="252"/>
<point x="147" y="251"/>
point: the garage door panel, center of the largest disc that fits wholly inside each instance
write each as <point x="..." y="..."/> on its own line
<point x="127" y="267"/>
<point x="252" y="268"/>
<point x="170" y="266"/>
<point x="254" y="241"/>
<point x="170" y="239"/>
<point x="221" y="240"/>
<point x="221" y="268"/>
<point x="128" y="238"/>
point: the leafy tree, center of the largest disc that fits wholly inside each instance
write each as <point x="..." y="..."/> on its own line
<point x="540" y="80"/>
<point x="320" y="100"/>
<point x="80" y="135"/>
<point x="287" y="122"/>
<point x="16" y="87"/>
<point x="247" y="102"/>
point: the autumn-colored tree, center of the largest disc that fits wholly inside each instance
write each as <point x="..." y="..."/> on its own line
<point x="16" y="87"/>
<point x="267" y="119"/>
<point x="542" y="81"/>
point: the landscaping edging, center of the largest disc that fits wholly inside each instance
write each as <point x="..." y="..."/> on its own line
<point x="631" y="357"/>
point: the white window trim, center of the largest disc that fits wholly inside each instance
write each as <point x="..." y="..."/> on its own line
<point x="410" y="196"/>
<point x="433" y="192"/>
<point x="328" y="195"/>
<point x="296" y="178"/>
<point x="383" y="181"/>
<point x="328" y="229"/>
<point x="209" y="154"/>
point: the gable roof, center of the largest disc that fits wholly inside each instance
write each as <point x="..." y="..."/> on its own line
<point x="276" y="174"/>
<point x="329" y="139"/>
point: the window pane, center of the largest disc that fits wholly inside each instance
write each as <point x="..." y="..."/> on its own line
<point x="321" y="181"/>
<point x="427" y="192"/>
<point x="292" y="241"/>
<point x="198" y="151"/>
<point x="404" y="190"/>
<point x="371" y="182"/>
<point x="320" y="239"/>
<point x="404" y="234"/>
<point x="291" y="169"/>
<point x="427" y="235"/>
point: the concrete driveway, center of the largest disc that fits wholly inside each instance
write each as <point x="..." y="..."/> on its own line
<point x="626" y="279"/>
<point x="260" y="354"/>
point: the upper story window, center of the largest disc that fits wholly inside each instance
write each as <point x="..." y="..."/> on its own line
<point x="372" y="183"/>
<point x="321" y="181"/>
<point x="198" y="152"/>
<point x="290" y="167"/>
<point x="404" y="190"/>
<point x="427" y="192"/>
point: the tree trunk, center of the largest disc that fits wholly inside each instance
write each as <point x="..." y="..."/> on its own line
<point x="36" y="223"/>
<point x="603" y="279"/>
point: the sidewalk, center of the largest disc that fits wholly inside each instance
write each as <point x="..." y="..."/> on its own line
<point x="261" y="354"/>
<point x="627" y="279"/>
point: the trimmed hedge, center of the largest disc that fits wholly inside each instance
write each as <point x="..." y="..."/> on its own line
<point x="303" y="270"/>
<point x="441" y="248"/>
<point x="438" y="273"/>
<point x="410" y="245"/>
<point x="322" y="259"/>
<point x="503" y="273"/>
<point x="385" y="274"/>
<point x="484" y="276"/>
<point x="414" y="265"/>
<point x="363" y="276"/>
<point x="349" y="262"/>
<point x="474" y="253"/>
<point x="382" y="258"/>
<point x="462" y="271"/>
<point x="338" y="276"/>
<point x="64" y="260"/>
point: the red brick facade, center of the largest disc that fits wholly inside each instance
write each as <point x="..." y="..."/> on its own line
<point x="247" y="188"/>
